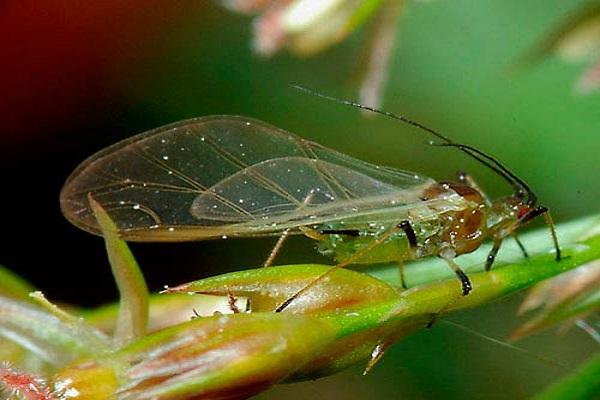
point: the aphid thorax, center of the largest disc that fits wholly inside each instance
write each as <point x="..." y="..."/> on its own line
<point x="463" y="230"/>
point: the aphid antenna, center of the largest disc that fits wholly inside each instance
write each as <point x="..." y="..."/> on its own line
<point x="521" y="188"/>
<point x="507" y="345"/>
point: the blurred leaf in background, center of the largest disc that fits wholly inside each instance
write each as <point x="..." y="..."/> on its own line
<point x="308" y="27"/>
<point x="575" y="39"/>
<point x="568" y="299"/>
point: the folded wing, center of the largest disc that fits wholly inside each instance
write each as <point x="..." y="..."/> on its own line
<point x="227" y="175"/>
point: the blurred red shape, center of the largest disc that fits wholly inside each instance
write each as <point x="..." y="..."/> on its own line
<point x="60" y="58"/>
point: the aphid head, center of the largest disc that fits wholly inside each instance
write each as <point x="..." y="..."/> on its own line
<point x="509" y="213"/>
<point x="505" y="214"/>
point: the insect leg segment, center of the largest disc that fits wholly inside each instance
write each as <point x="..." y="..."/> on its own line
<point x="536" y="212"/>
<point x="410" y="233"/>
<point x="349" y="232"/>
<point x="550" y="223"/>
<point x="278" y="245"/>
<point x="284" y="235"/>
<point x="520" y="244"/>
<point x="401" y="272"/>
<point x="491" y="257"/>
<point x="462" y="276"/>
<point x="412" y="242"/>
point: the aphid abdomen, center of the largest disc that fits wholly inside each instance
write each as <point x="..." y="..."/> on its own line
<point x="396" y="248"/>
<point x="467" y="232"/>
<point x="342" y="247"/>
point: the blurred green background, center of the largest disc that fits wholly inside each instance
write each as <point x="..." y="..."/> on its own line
<point x="79" y="77"/>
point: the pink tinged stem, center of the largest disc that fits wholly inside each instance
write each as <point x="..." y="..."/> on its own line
<point x="380" y="50"/>
<point x="590" y="80"/>
<point x="268" y="34"/>
<point x="24" y="385"/>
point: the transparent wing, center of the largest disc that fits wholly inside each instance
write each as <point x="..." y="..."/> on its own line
<point x="227" y="175"/>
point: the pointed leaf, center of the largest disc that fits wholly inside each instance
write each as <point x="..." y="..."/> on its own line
<point x="269" y="287"/>
<point x="133" y="310"/>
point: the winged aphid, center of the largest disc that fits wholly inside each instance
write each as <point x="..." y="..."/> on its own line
<point x="231" y="176"/>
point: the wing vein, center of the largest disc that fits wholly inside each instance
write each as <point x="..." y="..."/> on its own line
<point x="263" y="180"/>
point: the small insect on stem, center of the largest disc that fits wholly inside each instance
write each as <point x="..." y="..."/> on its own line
<point x="232" y="302"/>
<point x="229" y="176"/>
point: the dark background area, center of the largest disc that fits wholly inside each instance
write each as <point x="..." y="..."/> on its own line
<point x="77" y="77"/>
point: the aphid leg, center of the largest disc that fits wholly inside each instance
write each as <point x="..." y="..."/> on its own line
<point x="278" y="245"/>
<point x="401" y="273"/>
<point x="467" y="179"/>
<point x="196" y="314"/>
<point x="491" y="257"/>
<point x="550" y="223"/>
<point x="520" y="244"/>
<point x="412" y="243"/>
<point x="464" y="279"/>
<point x="541" y="210"/>
<point x="349" y="232"/>
<point x="311" y="233"/>
<point x="410" y="234"/>
<point x="353" y="258"/>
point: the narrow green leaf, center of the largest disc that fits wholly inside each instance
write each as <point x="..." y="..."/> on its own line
<point x="133" y="311"/>
<point x="49" y="337"/>
<point x="567" y="33"/>
<point x="565" y="298"/>
<point x="267" y="288"/>
<point x="583" y="384"/>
